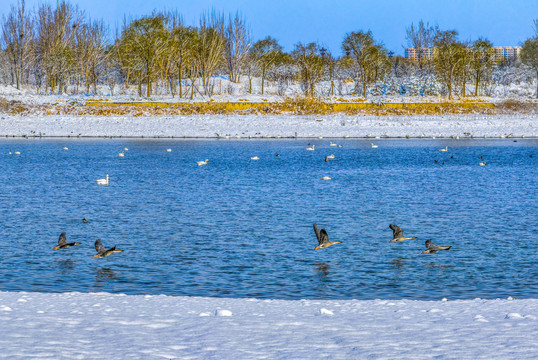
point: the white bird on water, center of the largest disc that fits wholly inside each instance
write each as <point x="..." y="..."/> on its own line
<point x="121" y="154"/>
<point x="65" y="148"/>
<point x="325" y="178"/>
<point x="254" y="158"/>
<point x="311" y="148"/>
<point x="482" y="163"/>
<point x="332" y="144"/>
<point x="169" y="150"/>
<point x="445" y="149"/>
<point x="373" y="146"/>
<point x="103" y="181"/>
<point x="202" y="163"/>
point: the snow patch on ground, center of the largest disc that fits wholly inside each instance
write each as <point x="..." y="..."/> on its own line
<point x="112" y="326"/>
<point x="273" y="126"/>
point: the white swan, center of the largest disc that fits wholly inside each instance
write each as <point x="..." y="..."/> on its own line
<point x="125" y="149"/>
<point x="332" y="144"/>
<point x="482" y="163"/>
<point x="373" y="146"/>
<point x="202" y="163"/>
<point x="445" y="149"/>
<point x="9" y="152"/>
<point x="169" y="150"/>
<point x="311" y="148"/>
<point x="65" y="148"/>
<point x="330" y="156"/>
<point x="17" y="153"/>
<point x="103" y="181"/>
<point x="254" y="158"/>
<point x="121" y="154"/>
<point x="325" y="178"/>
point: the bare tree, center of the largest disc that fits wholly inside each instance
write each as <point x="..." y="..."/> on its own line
<point x="482" y="62"/>
<point x="370" y="60"/>
<point x="17" y="34"/>
<point x="236" y="46"/>
<point x="144" y="41"/>
<point x="267" y="53"/>
<point x="529" y="56"/>
<point x="55" y="34"/>
<point x="209" y="48"/>
<point x="308" y="59"/>
<point x="448" y="58"/>
<point x="89" y="52"/>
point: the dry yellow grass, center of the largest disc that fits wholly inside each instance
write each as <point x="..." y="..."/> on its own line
<point x="288" y="106"/>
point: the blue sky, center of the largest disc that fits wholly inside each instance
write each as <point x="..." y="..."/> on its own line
<point x="503" y="22"/>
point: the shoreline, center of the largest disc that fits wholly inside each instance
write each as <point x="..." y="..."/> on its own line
<point x="270" y="126"/>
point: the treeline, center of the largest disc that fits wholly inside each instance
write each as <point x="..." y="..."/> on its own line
<point x="56" y="49"/>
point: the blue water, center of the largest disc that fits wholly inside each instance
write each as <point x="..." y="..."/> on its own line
<point x="243" y="228"/>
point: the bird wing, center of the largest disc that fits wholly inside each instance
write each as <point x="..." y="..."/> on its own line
<point x="429" y="244"/>
<point x="321" y="235"/>
<point x="62" y="240"/>
<point x="99" y="246"/>
<point x="112" y="248"/>
<point x="396" y="231"/>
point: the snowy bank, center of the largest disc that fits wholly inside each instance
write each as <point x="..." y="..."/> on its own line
<point x="114" y="326"/>
<point x="207" y="126"/>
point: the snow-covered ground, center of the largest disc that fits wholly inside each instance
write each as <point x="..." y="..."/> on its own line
<point x="108" y="326"/>
<point x="271" y="126"/>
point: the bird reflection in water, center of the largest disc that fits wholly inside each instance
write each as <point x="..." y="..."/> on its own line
<point x="67" y="266"/>
<point x="433" y="265"/>
<point x="322" y="268"/>
<point x="105" y="273"/>
<point x="398" y="263"/>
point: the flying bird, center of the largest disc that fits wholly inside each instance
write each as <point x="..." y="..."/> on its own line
<point x="432" y="249"/>
<point x="63" y="244"/>
<point x="102" y="251"/>
<point x="397" y="234"/>
<point x="323" y="238"/>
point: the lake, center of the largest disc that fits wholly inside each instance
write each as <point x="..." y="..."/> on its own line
<point x="238" y="227"/>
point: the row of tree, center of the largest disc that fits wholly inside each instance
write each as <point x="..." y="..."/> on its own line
<point x="52" y="48"/>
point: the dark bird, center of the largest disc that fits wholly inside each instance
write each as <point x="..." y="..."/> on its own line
<point x="277" y="154"/>
<point x="397" y="234"/>
<point x="432" y="249"/>
<point x="323" y="238"/>
<point x="102" y="252"/>
<point x="84" y="220"/>
<point x="63" y="244"/>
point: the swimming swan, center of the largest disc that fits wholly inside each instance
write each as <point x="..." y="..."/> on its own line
<point x="103" y="181"/>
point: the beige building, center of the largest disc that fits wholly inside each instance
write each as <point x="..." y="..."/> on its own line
<point x="506" y="53"/>
<point x="417" y="54"/>
<point x="502" y="53"/>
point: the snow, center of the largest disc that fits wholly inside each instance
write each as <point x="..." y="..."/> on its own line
<point x="257" y="126"/>
<point x="115" y="326"/>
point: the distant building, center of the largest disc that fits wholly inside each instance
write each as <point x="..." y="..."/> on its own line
<point x="503" y="54"/>
<point x="506" y="54"/>
<point x="421" y="53"/>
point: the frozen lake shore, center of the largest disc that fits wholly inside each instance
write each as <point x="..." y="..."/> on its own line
<point x="115" y="326"/>
<point x="208" y="126"/>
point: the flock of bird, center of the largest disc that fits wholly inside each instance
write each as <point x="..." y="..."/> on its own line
<point x="322" y="236"/>
<point x="397" y="236"/>
<point x="101" y="250"/>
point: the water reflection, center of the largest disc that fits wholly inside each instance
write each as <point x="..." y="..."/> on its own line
<point x="105" y="273"/>
<point x="322" y="268"/>
<point x="398" y="263"/>
<point x="434" y="265"/>
<point x="67" y="266"/>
